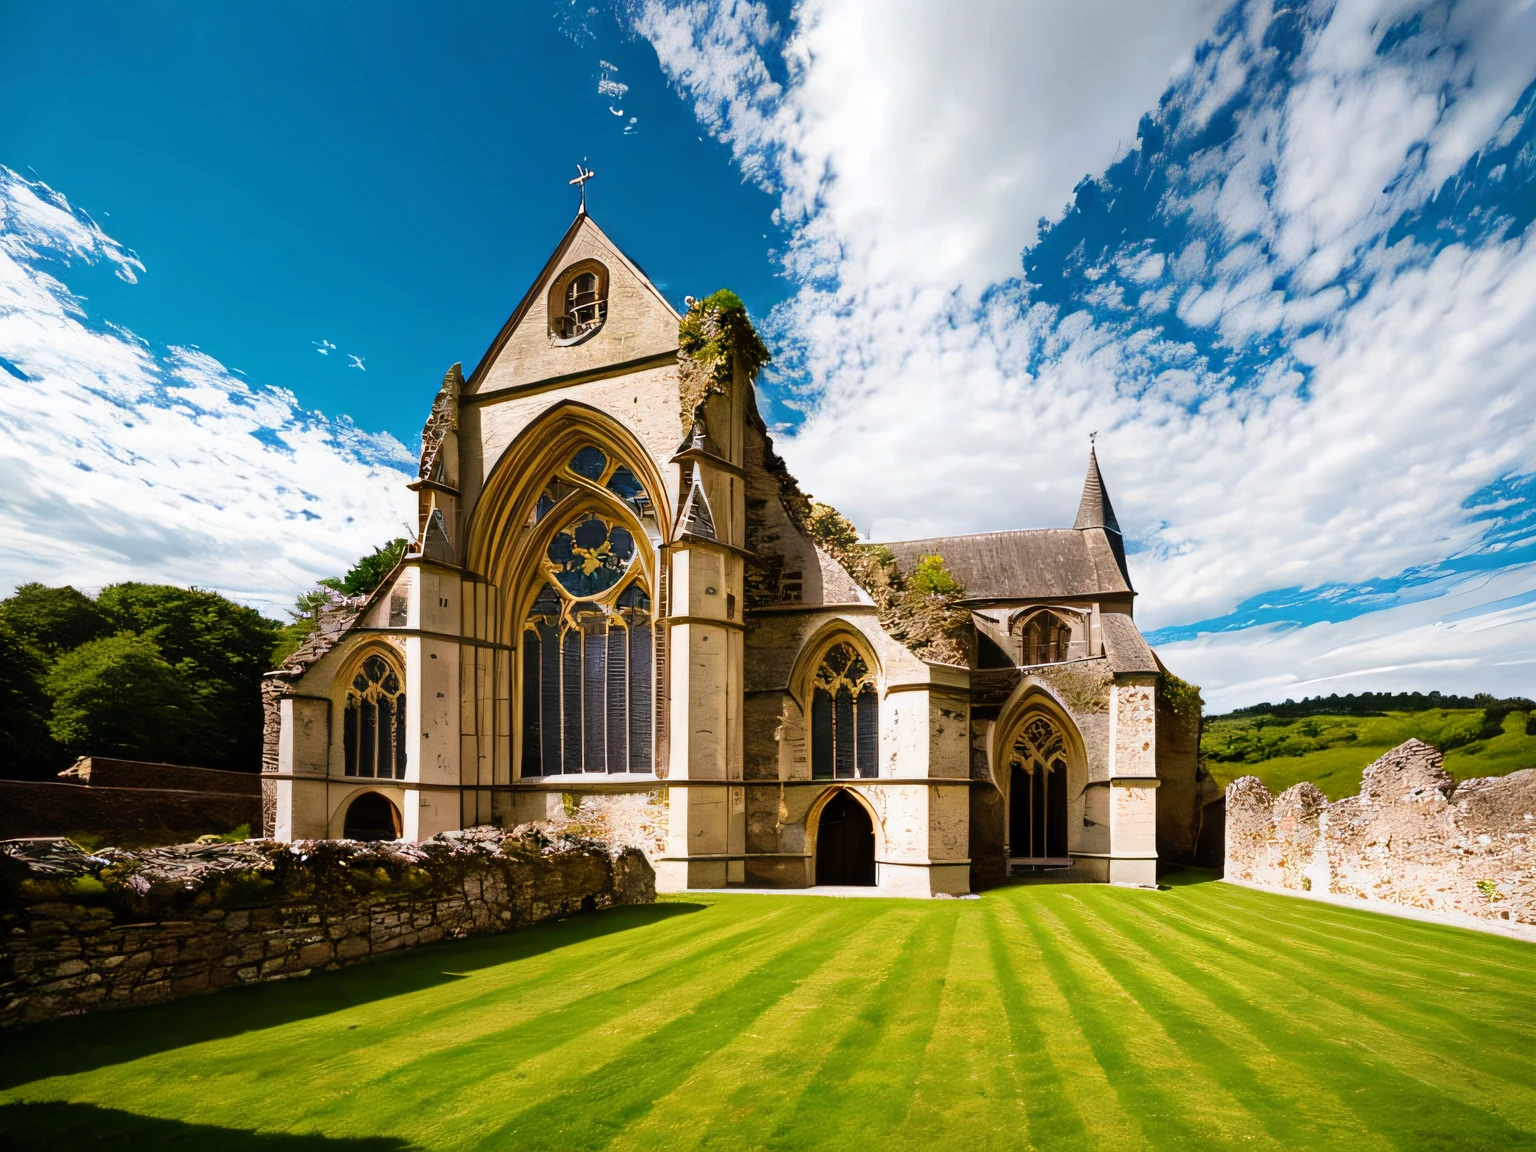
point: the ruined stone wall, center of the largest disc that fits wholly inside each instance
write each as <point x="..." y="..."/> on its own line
<point x="619" y="819"/>
<point x="83" y="933"/>
<point x="1413" y="837"/>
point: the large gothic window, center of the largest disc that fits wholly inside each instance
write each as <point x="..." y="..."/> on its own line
<point x="1047" y="639"/>
<point x="373" y="726"/>
<point x="588" y="645"/>
<point x="1037" y="793"/>
<point x="845" y="717"/>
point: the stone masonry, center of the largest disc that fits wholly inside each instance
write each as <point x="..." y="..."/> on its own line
<point x="1413" y="837"/>
<point x="82" y="933"/>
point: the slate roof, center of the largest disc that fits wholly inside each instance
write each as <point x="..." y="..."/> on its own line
<point x="1033" y="564"/>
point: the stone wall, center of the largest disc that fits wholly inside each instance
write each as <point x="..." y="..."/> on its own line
<point x="104" y="772"/>
<point x="1413" y="837"/>
<point x="128" y="816"/>
<point x="81" y="933"/>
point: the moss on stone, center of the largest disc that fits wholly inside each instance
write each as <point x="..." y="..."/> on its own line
<point x="922" y="611"/>
<point x="714" y="338"/>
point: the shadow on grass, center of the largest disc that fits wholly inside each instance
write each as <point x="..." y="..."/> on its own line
<point x="83" y="1043"/>
<point x="59" y="1125"/>
<point x="1185" y="875"/>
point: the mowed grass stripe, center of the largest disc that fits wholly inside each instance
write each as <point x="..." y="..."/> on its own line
<point x="968" y="1096"/>
<point x="1294" y="1112"/>
<point x="1080" y="1076"/>
<point x="1134" y="1051"/>
<point x="1367" y="933"/>
<point x="1312" y="1031"/>
<point x="1412" y="1011"/>
<point x="735" y="1097"/>
<point x="866" y="1079"/>
<point x="1051" y="1120"/>
<point x="539" y="1064"/>
<point x="596" y="1108"/>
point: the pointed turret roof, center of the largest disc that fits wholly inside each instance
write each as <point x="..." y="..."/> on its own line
<point x="1095" y="510"/>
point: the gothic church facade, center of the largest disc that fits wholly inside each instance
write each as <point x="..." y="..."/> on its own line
<point x="615" y="619"/>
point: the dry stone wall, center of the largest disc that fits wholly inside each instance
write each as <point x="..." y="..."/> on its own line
<point x="82" y="933"/>
<point x="1413" y="837"/>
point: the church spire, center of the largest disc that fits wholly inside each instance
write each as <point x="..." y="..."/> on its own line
<point x="1095" y="510"/>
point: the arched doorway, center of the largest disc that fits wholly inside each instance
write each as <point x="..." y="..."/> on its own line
<point x="1037" y="793"/>
<point x="372" y="817"/>
<point x="845" y="843"/>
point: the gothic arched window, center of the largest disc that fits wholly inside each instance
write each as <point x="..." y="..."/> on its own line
<point x="845" y="717"/>
<point x="373" y="726"/>
<point x="588" y="645"/>
<point x="1047" y="639"/>
<point x="1037" y="792"/>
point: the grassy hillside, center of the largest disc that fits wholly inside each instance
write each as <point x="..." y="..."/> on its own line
<point x="1079" y="1016"/>
<point x="1332" y="751"/>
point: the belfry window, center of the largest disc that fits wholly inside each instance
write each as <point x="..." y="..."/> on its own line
<point x="1037" y="793"/>
<point x="581" y="307"/>
<point x="1047" y="639"/>
<point x="373" y="726"/>
<point x="845" y="717"/>
<point x="588" y="659"/>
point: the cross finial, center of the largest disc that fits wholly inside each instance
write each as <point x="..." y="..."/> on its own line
<point x="1092" y="436"/>
<point x="582" y="176"/>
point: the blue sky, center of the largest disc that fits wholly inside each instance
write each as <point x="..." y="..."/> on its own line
<point x="1277" y="254"/>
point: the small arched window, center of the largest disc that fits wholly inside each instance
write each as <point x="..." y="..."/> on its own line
<point x="373" y="729"/>
<point x="845" y="717"/>
<point x="1047" y="639"/>
<point x="579" y="307"/>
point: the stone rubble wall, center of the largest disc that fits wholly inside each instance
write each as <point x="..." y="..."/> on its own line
<point x="1413" y="837"/>
<point x="82" y="933"/>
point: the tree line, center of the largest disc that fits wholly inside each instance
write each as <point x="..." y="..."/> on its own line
<point x="147" y="671"/>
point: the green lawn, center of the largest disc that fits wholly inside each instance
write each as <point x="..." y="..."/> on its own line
<point x="1071" y="1017"/>
<point x="1334" y="750"/>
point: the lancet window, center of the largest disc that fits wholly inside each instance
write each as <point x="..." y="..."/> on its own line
<point x="845" y="717"/>
<point x="1037" y="792"/>
<point x="373" y="725"/>
<point x="1046" y="639"/>
<point x="588" y="659"/>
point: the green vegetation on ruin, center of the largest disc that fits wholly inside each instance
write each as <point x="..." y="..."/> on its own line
<point x="1202" y="1016"/>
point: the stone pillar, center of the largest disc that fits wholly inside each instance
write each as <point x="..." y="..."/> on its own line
<point x="432" y="803"/>
<point x="707" y="825"/>
<point x="1133" y="780"/>
<point x="303" y="762"/>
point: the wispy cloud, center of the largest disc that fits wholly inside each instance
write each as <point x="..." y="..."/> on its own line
<point x="1299" y="297"/>
<point x="123" y="459"/>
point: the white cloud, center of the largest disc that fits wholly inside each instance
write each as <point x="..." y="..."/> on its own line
<point x="1464" y="641"/>
<point x="123" y="461"/>
<point x="913" y="152"/>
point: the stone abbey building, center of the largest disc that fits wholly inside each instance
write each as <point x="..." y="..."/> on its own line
<point x="615" y="617"/>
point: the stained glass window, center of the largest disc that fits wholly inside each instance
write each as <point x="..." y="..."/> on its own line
<point x="845" y="717"/>
<point x="588" y="659"/>
<point x="373" y="726"/>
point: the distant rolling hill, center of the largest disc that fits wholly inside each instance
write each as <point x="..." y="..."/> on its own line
<point x="1332" y="749"/>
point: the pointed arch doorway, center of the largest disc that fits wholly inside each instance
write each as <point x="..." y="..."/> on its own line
<point x="845" y="844"/>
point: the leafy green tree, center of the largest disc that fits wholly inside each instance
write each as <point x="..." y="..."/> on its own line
<point x="218" y="649"/>
<point x="27" y="749"/>
<point x="54" y="620"/>
<point x="118" y="696"/>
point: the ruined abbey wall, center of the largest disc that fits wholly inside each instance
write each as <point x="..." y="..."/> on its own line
<point x="1413" y="837"/>
<point x="81" y="933"/>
